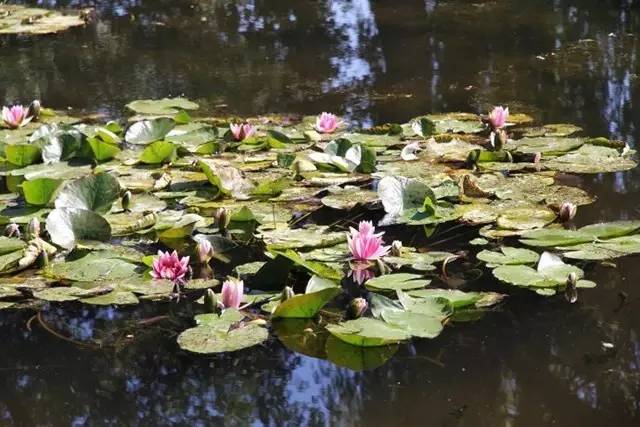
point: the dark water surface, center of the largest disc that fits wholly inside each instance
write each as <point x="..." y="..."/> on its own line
<point x="533" y="362"/>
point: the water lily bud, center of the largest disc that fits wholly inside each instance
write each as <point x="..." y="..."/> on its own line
<point x="43" y="258"/>
<point x="396" y="248"/>
<point x="211" y="302"/>
<point x="571" y="291"/>
<point x="222" y="218"/>
<point x="567" y="211"/>
<point x="33" y="228"/>
<point x="357" y="307"/>
<point x="204" y="251"/>
<point x="126" y="201"/>
<point x="12" y="230"/>
<point x="34" y="109"/>
<point x="287" y="293"/>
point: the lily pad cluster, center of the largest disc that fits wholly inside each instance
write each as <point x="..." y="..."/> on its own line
<point x="15" y="19"/>
<point x="253" y="192"/>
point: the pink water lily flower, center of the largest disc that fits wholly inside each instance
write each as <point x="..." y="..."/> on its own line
<point x="16" y="116"/>
<point x="365" y="244"/>
<point x="498" y="117"/>
<point x="360" y="273"/>
<point x="242" y="131"/>
<point x="170" y="266"/>
<point x="232" y="293"/>
<point x="327" y="123"/>
<point x="204" y="250"/>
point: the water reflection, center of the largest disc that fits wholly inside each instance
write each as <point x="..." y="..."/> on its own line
<point x="535" y="362"/>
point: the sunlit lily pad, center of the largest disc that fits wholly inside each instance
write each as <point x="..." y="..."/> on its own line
<point x="318" y="293"/>
<point x="395" y="281"/>
<point x="367" y="332"/>
<point x="591" y="159"/>
<point x="94" y="267"/>
<point x="159" y="107"/>
<point x="217" y="334"/>
<point x="508" y="256"/>
<point x="16" y="19"/>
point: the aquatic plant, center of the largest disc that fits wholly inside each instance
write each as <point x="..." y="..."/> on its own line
<point x="498" y="117"/>
<point x="242" y="131"/>
<point x="327" y="123"/>
<point x="16" y="116"/>
<point x="365" y="244"/>
<point x="232" y="293"/>
<point x="170" y="266"/>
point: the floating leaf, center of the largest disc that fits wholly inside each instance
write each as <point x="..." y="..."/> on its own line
<point x="147" y="131"/>
<point x="508" y="256"/>
<point x="27" y="20"/>
<point x="395" y="281"/>
<point x="160" y="107"/>
<point x="308" y="304"/>
<point x="215" y="334"/>
<point x="67" y="226"/>
<point x="93" y="267"/>
<point x="367" y="332"/>
<point x="40" y="192"/>
<point x="158" y="152"/>
<point x="94" y="192"/>
<point x="22" y="154"/>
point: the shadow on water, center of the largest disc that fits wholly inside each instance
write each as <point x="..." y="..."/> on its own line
<point x="533" y="362"/>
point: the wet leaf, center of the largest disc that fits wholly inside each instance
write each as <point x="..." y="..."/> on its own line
<point x="94" y="193"/>
<point x="215" y="334"/>
<point x="40" y="192"/>
<point x="395" y="281"/>
<point x="16" y="19"/>
<point x="67" y="226"/>
<point x="367" y="332"/>
<point x="160" y="107"/>
<point x="93" y="267"/>
<point x="147" y="131"/>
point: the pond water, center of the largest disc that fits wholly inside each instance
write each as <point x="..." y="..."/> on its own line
<point x="533" y="362"/>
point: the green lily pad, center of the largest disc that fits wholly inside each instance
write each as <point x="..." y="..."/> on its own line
<point x="94" y="267"/>
<point x="302" y="238"/>
<point x="40" y="192"/>
<point x="395" y="281"/>
<point x="318" y="268"/>
<point x="22" y="154"/>
<point x="112" y="298"/>
<point x="160" y="107"/>
<point x="147" y="131"/>
<point x="508" y="256"/>
<point x="591" y="159"/>
<point x="547" y="146"/>
<point x="67" y="226"/>
<point x="27" y="20"/>
<point x="367" y="332"/>
<point x="309" y="304"/>
<point x="226" y="179"/>
<point x="459" y="299"/>
<point x="158" y="152"/>
<point x="348" y="197"/>
<point x="94" y="193"/>
<point x="215" y="334"/>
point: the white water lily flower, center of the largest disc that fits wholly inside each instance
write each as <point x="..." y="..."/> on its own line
<point x="409" y="151"/>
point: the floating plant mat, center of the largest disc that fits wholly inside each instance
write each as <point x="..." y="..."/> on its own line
<point x="26" y="20"/>
<point x="274" y="201"/>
